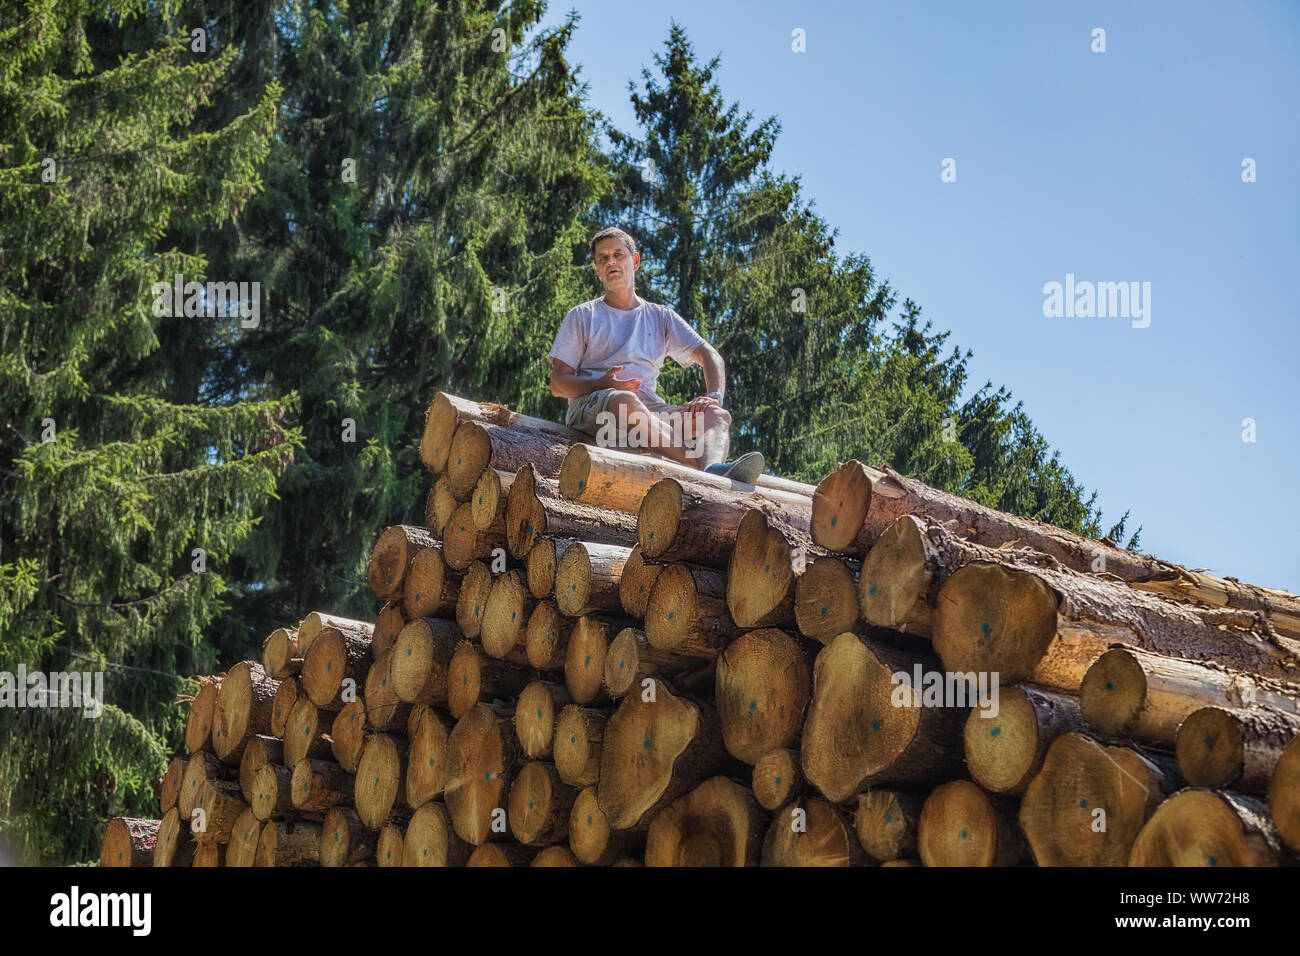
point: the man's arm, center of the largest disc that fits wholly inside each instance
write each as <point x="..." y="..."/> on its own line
<point x="567" y="383"/>
<point x="715" y="370"/>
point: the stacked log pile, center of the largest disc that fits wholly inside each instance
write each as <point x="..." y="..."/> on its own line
<point x="586" y="656"/>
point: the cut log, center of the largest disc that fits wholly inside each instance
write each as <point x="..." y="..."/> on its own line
<point x="554" y="856"/>
<point x="540" y="567"/>
<point x="447" y="411"/>
<point x="761" y="689"/>
<point x="285" y="697"/>
<point x="280" y="657"/>
<point x="344" y="839"/>
<point x="335" y="656"/>
<point x="886" y="822"/>
<point x="304" y="733"/>
<point x="487" y="498"/>
<point x="288" y="844"/>
<point x="430" y="587"/>
<point x="591" y="841"/>
<point x="429" y="840"/>
<point x="314" y="623"/>
<point x="391" y="843"/>
<point x="636" y="581"/>
<point x="272" y="791"/>
<point x="258" y="752"/>
<point x="383" y="709"/>
<point x="439" y="505"/>
<point x="128" y="841"/>
<point x="900" y="578"/>
<point x="1146" y="697"/>
<point x="505" y="448"/>
<point x="534" y="508"/>
<point x="618" y="480"/>
<point x="653" y="752"/>
<point x="1005" y="612"/>
<point x="579" y="733"/>
<point x="961" y="825"/>
<point x="814" y="833"/>
<point x="201" y="766"/>
<point x="170" y="788"/>
<point x="388" y="624"/>
<point x="426" y="764"/>
<point x="694" y="523"/>
<point x="716" y="824"/>
<point x="865" y="727"/>
<point x="1284" y="795"/>
<point x="1207" y="828"/>
<point x="379" y="785"/>
<point x="502" y="854"/>
<point x="244" y="706"/>
<point x="584" y="659"/>
<point x="777" y="778"/>
<point x="421" y="659"/>
<point x="318" y="785"/>
<point x="546" y="639"/>
<point x="631" y="659"/>
<point x="539" y="805"/>
<point x="470" y="454"/>
<point x="1220" y="748"/>
<point x="198" y="724"/>
<point x="220" y="802"/>
<point x="687" y="612"/>
<point x="348" y="734"/>
<point x="1005" y="750"/>
<point x="464" y="542"/>
<point x="391" y="556"/>
<point x="247" y="833"/>
<point x="505" y="615"/>
<point x="209" y="855"/>
<point x="760" y="586"/>
<point x="473" y="676"/>
<point x="826" y="598"/>
<point x="587" y="577"/>
<point x="483" y="757"/>
<point x="1177" y="583"/>
<point x="1087" y="804"/>
<point x="175" y="843"/>
<point x="535" y="713"/>
<point x="474" y="590"/>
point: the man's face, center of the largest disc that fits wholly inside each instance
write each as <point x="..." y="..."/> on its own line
<point x="615" y="266"/>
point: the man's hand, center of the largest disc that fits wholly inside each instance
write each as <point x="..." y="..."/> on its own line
<point x="700" y="404"/>
<point x="609" y="380"/>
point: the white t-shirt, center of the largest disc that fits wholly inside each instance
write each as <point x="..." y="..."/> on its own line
<point x="595" y="336"/>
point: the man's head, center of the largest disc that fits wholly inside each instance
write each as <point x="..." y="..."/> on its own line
<point x="614" y="256"/>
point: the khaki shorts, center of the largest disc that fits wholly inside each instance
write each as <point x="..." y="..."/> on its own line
<point x="583" y="415"/>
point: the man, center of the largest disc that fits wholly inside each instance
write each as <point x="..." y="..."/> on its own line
<point x="606" y="360"/>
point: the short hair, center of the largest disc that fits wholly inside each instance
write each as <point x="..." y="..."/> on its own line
<point x="613" y="232"/>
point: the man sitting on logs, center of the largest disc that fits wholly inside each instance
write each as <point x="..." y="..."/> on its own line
<point x="606" y="360"/>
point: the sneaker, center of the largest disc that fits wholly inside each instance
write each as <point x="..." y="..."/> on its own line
<point x="746" y="468"/>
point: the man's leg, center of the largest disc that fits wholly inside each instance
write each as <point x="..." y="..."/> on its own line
<point x="630" y="411"/>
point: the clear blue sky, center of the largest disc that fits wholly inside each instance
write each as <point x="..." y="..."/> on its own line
<point x="1115" y="166"/>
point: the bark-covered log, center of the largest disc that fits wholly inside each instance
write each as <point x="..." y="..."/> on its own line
<point x="483" y="757"/>
<point x="128" y="841"/>
<point x="304" y="732"/>
<point x="209" y="855"/>
<point x="579" y="736"/>
<point x="439" y="504"/>
<point x="631" y="659"/>
<point x="175" y="844"/>
<point x="198" y="724"/>
<point x="636" y="582"/>
<point x="777" y="778"/>
<point x="220" y="804"/>
<point x="587" y="577"/>
<point x="653" y="751"/>
<point x="1088" y="802"/>
<point x="244" y="708"/>
<point x="280" y="657"/>
<point x="718" y="823"/>
<point x="1146" y="696"/>
<point x="464" y="542"/>
<point x="762" y="685"/>
<point x="1197" y="827"/>
<point x="426" y="759"/>
<point x="447" y="411"/>
<point x="1220" y="748"/>
<point x="337" y="654"/>
<point x="383" y="709"/>
<point x="202" y="766"/>
<point x="430" y="840"/>
<point x="170" y="788"/>
<point x="826" y="598"/>
<point x="421" y="659"/>
<point x="811" y="833"/>
<point x="475" y="446"/>
<point x="430" y="587"/>
<point x="886" y="822"/>
<point x="865" y="727"/>
<point x="688" y="522"/>
<point x="288" y="844"/>
<point x="539" y="805"/>
<point x="314" y="623"/>
<point x="687" y="612"/>
<point x="535" y="509"/>
<point x="761" y="574"/>
<point x="388" y="624"/>
<point x="487" y="499"/>
<point x="473" y="676"/>
<point x="536" y="710"/>
<point x="391" y="556"/>
<point x="379" y="785"/>
<point x="271" y="792"/>
<point x="1284" y="795"/>
<point x="286" y="695"/>
<point x="1004" y="751"/>
<point x="318" y="785"/>
<point x="961" y="825"/>
<point x="344" y="839"/>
